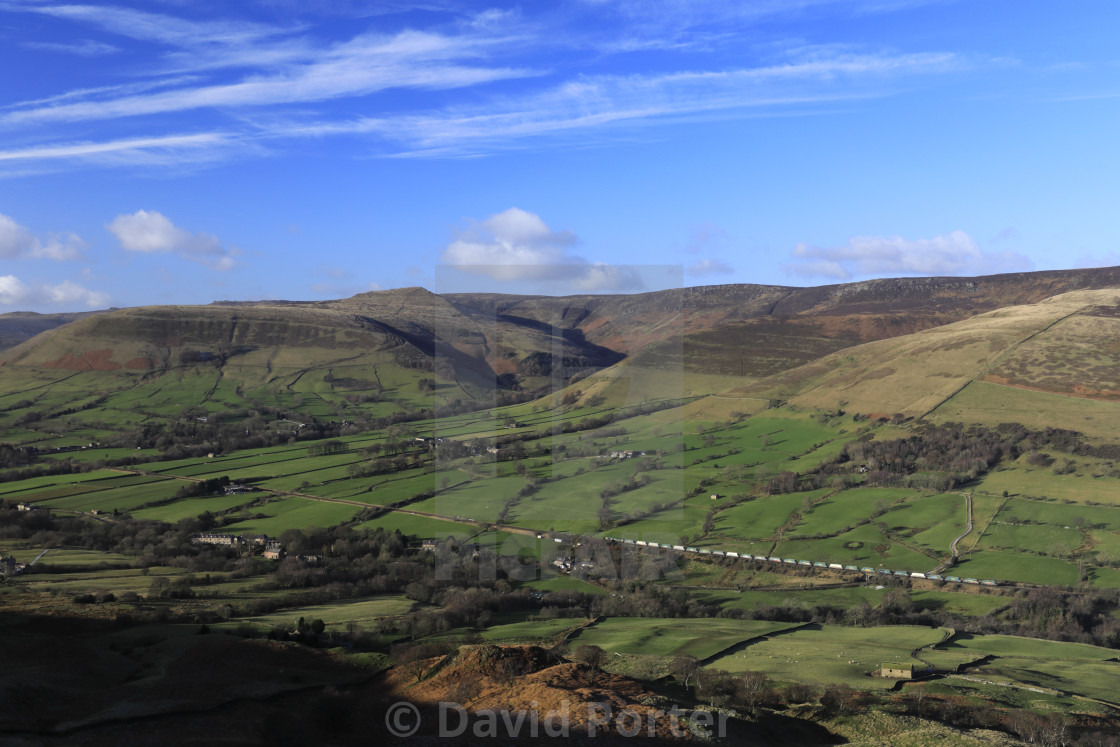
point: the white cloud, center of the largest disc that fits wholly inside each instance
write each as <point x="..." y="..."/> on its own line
<point x="69" y="292"/>
<point x="512" y="245"/>
<point x="709" y="267"/>
<point x="150" y="232"/>
<point x="60" y="247"/>
<point x="14" y="238"/>
<point x="955" y="253"/>
<point x="14" y="292"/>
<point x="600" y="277"/>
<point x="515" y="245"/>
<point x="17" y="241"/>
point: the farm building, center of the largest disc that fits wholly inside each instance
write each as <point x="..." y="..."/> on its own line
<point x="897" y="671"/>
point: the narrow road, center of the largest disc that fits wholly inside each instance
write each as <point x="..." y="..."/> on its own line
<point x="968" y="525"/>
<point x="948" y="563"/>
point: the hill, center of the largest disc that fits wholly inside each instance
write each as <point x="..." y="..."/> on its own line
<point x="372" y="356"/>
<point x="381" y="354"/>
<point x="755" y="331"/>
<point x="1061" y="346"/>
<point x="17" y="326"/>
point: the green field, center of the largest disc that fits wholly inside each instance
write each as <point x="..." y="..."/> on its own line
<point x="1018" y="510"/>
<point x="192" y="507"/>
<point x="866" y="545"/>
<point x="847" y="508"/>
<point x="117" y="581"/>
<point x="25" y="490"/>
<point x="337" y="616"/>
<point x="1016" y="566"/>
<point x="64" y="558"/>
<point x="850" y="597"/>
<point x="294" y="513"/>
<point x="701" y="638"/>
<point x="565" y="583"/>
<point x="1072" y="668"/>
<point x="831" y="654"/>
<point x="1040" y="482"/>
<point x="419" y="526"/>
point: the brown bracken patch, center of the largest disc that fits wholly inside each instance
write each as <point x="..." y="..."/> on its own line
<point x="91" y="360"/>
<point x="517" y="678"/>
<point x="1076" y="390"/>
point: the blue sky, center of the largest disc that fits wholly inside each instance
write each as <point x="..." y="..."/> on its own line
<point x="186" y="152"/>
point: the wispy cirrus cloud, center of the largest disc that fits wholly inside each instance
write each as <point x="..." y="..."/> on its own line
<point x="97" y="92"/>
<point x="188" y="149"/>
<point x="157" y="27"/>
<point x="281" y="82"/>
<point x="593" y="102"/>
<point x="954" y="253"/>
<point x="706" y="24"/>
<point x="359" y="67"/>
<point x="84" y="48"/>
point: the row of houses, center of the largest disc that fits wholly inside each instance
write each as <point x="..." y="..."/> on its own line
<point x="272" y="548"/>
<point x="867" y="570"/>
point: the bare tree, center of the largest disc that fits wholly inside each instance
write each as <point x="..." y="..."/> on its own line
<point x="684" y="667"/>
<point x="591" y="657"/>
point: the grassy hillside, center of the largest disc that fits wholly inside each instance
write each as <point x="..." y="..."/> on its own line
<point x="17" y="326"/>
<point x="918" y="374"/>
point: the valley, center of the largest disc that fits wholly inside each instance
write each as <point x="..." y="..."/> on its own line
<point x="805" y="486"/>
